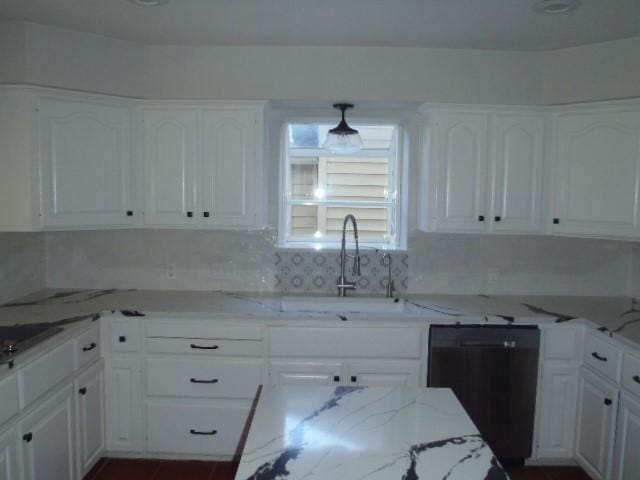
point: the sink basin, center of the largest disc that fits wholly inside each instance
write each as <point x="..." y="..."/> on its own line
<point x="17" y="339"/>
<point x="346" y="305"/>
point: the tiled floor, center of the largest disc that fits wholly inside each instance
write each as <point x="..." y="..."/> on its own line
<point x="130" y="469"/>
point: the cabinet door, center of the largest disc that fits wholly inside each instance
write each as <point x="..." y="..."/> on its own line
<point x="598" y="404"/>
<point x="383" y="374"/>
<point x="47" y="440"/>
<point x="597" y="165"/>
<point x="627" y="456"/>
<point x="124" y="405"/>
<point x="518" y="153"/>
<point x="557" y="411"/>
<point x="89" y="391"/>
<point x="231" y="168"/>
<point x="85" y="160"/>
<point x="460" y="156"/>
<point x="170" y="162"/>
<point x="306" y="373"/>
<point x="8" y="461"/>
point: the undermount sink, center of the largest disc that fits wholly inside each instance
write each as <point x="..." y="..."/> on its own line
<point x="342" y="304"/>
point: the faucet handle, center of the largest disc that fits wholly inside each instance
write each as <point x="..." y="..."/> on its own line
<point x="356" y="266"/>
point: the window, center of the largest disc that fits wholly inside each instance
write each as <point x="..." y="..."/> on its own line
<point x="322" y="187"/>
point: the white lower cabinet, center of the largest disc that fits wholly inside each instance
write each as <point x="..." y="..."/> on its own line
<point x="8" y="457"/>
<point x="89" y="392"/>
<point x="124" y="405"/>
<point x="596" y="424"/>
<point x="627" y="457"/>
<point x="48" y="447"/>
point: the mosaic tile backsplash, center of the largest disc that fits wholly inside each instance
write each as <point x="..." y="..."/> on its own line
<point x="317" y="272"/>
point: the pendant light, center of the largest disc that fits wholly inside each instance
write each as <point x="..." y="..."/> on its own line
<point x="343" y="138"/>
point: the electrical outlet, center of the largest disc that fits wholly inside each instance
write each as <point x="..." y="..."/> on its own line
<point x="493" y="275"/>
<point x="223" y="271"/>
<point x="171" y="270"/>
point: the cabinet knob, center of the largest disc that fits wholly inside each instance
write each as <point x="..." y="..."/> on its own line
<point x="90" y="347"/>
<point x="189" y="214"/>
<point x="122" y="339"/>
<point x="598" y="357"/>
<point x="199" y="432"/>
<point x="354" y="379"/>
<point x="27" y="437"/>
<point x="206" y="214"/>
<point x="497" y="218"/>
<point x="195" y="380"/>
<point x="336" y="378"/>
<point x="82" y="391"/>
<point x="556" y="221"/>
<point x="481" y="218"/>
<point x="129" y="213"/>
<point x="608" y="401"/>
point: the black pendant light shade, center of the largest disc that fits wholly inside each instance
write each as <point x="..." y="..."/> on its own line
<point x="343" y="138"/>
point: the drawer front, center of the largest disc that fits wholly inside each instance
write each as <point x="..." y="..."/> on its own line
<point x="88" y="347"/>
<point x="631" y="373"/>
<point x="217" y="378"/>
<point x="45" y="372"/>
<point x="197" y="430"/>
<point x="199" y="346"/>
<point x="602" y="357"/>
<point x="125" y="335"/>
<point x="8" y="398"/>
<point x="201" y="329"/>
<point x="346" y="342"/>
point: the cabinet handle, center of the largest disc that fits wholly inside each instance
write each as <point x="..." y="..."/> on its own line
<point x="354" y="379"/>
<point x="206" y="214"/>
<point x="90" y="347"/>
<point x="336" y="378"/>
<point x="203" y="347"/>
<point x="129" y="213"/>
<point x="82" y="391"/>
<point x="608" y="401"/>
<point x="195" y="380"/>
<point x="189" y="214"/>
<point x="556" y="221"/>
<point x="198" y="432"/>
<point x="27" y="437"/>
<point x="636" y="378"/>
<point x="122" y="339"/>
<point x="481" y="218"/>
<point x="598" y="357"/>
<point x="497" y="218"/>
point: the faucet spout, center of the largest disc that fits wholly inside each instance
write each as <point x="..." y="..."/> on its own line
<point x="343" y="284"/>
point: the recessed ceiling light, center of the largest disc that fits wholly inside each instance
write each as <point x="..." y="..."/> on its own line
<point x="553" y="7"/>
<point x="149" y="3"/>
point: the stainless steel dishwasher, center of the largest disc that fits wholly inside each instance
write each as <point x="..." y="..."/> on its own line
<point x="493" y="370"/>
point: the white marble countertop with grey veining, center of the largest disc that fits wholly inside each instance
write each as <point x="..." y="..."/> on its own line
<point x="364" y="433"/>
<point x="618" y="317"/>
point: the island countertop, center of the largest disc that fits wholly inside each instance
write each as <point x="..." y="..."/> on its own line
<point x="350" y="433"/>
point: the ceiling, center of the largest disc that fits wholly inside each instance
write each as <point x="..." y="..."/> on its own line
<point x="478" y="24"/>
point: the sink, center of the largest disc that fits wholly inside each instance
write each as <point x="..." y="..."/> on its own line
<point x="17" y="339"/>
<point x="340" y="304"/>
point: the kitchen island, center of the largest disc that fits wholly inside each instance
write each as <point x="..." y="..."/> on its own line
<point x="351" y="433"/>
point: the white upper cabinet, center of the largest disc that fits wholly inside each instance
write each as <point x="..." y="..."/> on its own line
<point x="231" y="170"/>
<point x="203" y="164"/>
<point x="85" y="162"/>
<point x="518" y="156"/>
<point x="597" y="162"/>
<point x="482" y="170"/>
<point x="170" y="152"/>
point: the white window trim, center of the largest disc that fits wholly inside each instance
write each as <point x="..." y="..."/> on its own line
<point x="398" y="178"/>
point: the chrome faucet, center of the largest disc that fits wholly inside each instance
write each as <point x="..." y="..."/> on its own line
<point x="390" y="287"/>
<point x="343" y="284"/>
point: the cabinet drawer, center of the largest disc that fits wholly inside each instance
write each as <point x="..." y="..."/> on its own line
<point x="201" y="329"/>
<point x="124" y="335"/>
<point x="8" y="398"/>
<point x="215" y="378"/>
<point x="45" y="372"/>
<point x="88" y="347"/>
<point x="602" y="356"/>
<point x="194" y="429"/>
<point x="198" y="346"/>
<point x="631" y="373"/>
<point x="346" y="342"/>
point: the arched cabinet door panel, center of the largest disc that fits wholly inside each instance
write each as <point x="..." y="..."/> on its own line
<point x="85" y="162"/>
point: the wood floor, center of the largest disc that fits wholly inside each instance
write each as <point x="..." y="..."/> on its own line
<point x="133" y="469"/>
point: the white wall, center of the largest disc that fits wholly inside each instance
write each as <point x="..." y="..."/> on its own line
<point x="603" y="71"/>
<point x="13" y="41"/>
<point x="22" y="264"/>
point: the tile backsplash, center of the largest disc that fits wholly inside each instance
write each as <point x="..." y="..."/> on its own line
<point x="317" y="272"/>
<point x="22" y="264"/>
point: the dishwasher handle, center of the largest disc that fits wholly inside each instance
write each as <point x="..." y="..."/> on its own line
<point x="485" y="344"/>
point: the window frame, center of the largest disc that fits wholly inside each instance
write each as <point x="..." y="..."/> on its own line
<point x="396" y="205"/>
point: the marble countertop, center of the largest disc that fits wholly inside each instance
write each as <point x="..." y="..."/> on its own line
<point x="616" y="316"/>
<point x="364" y="433"/>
